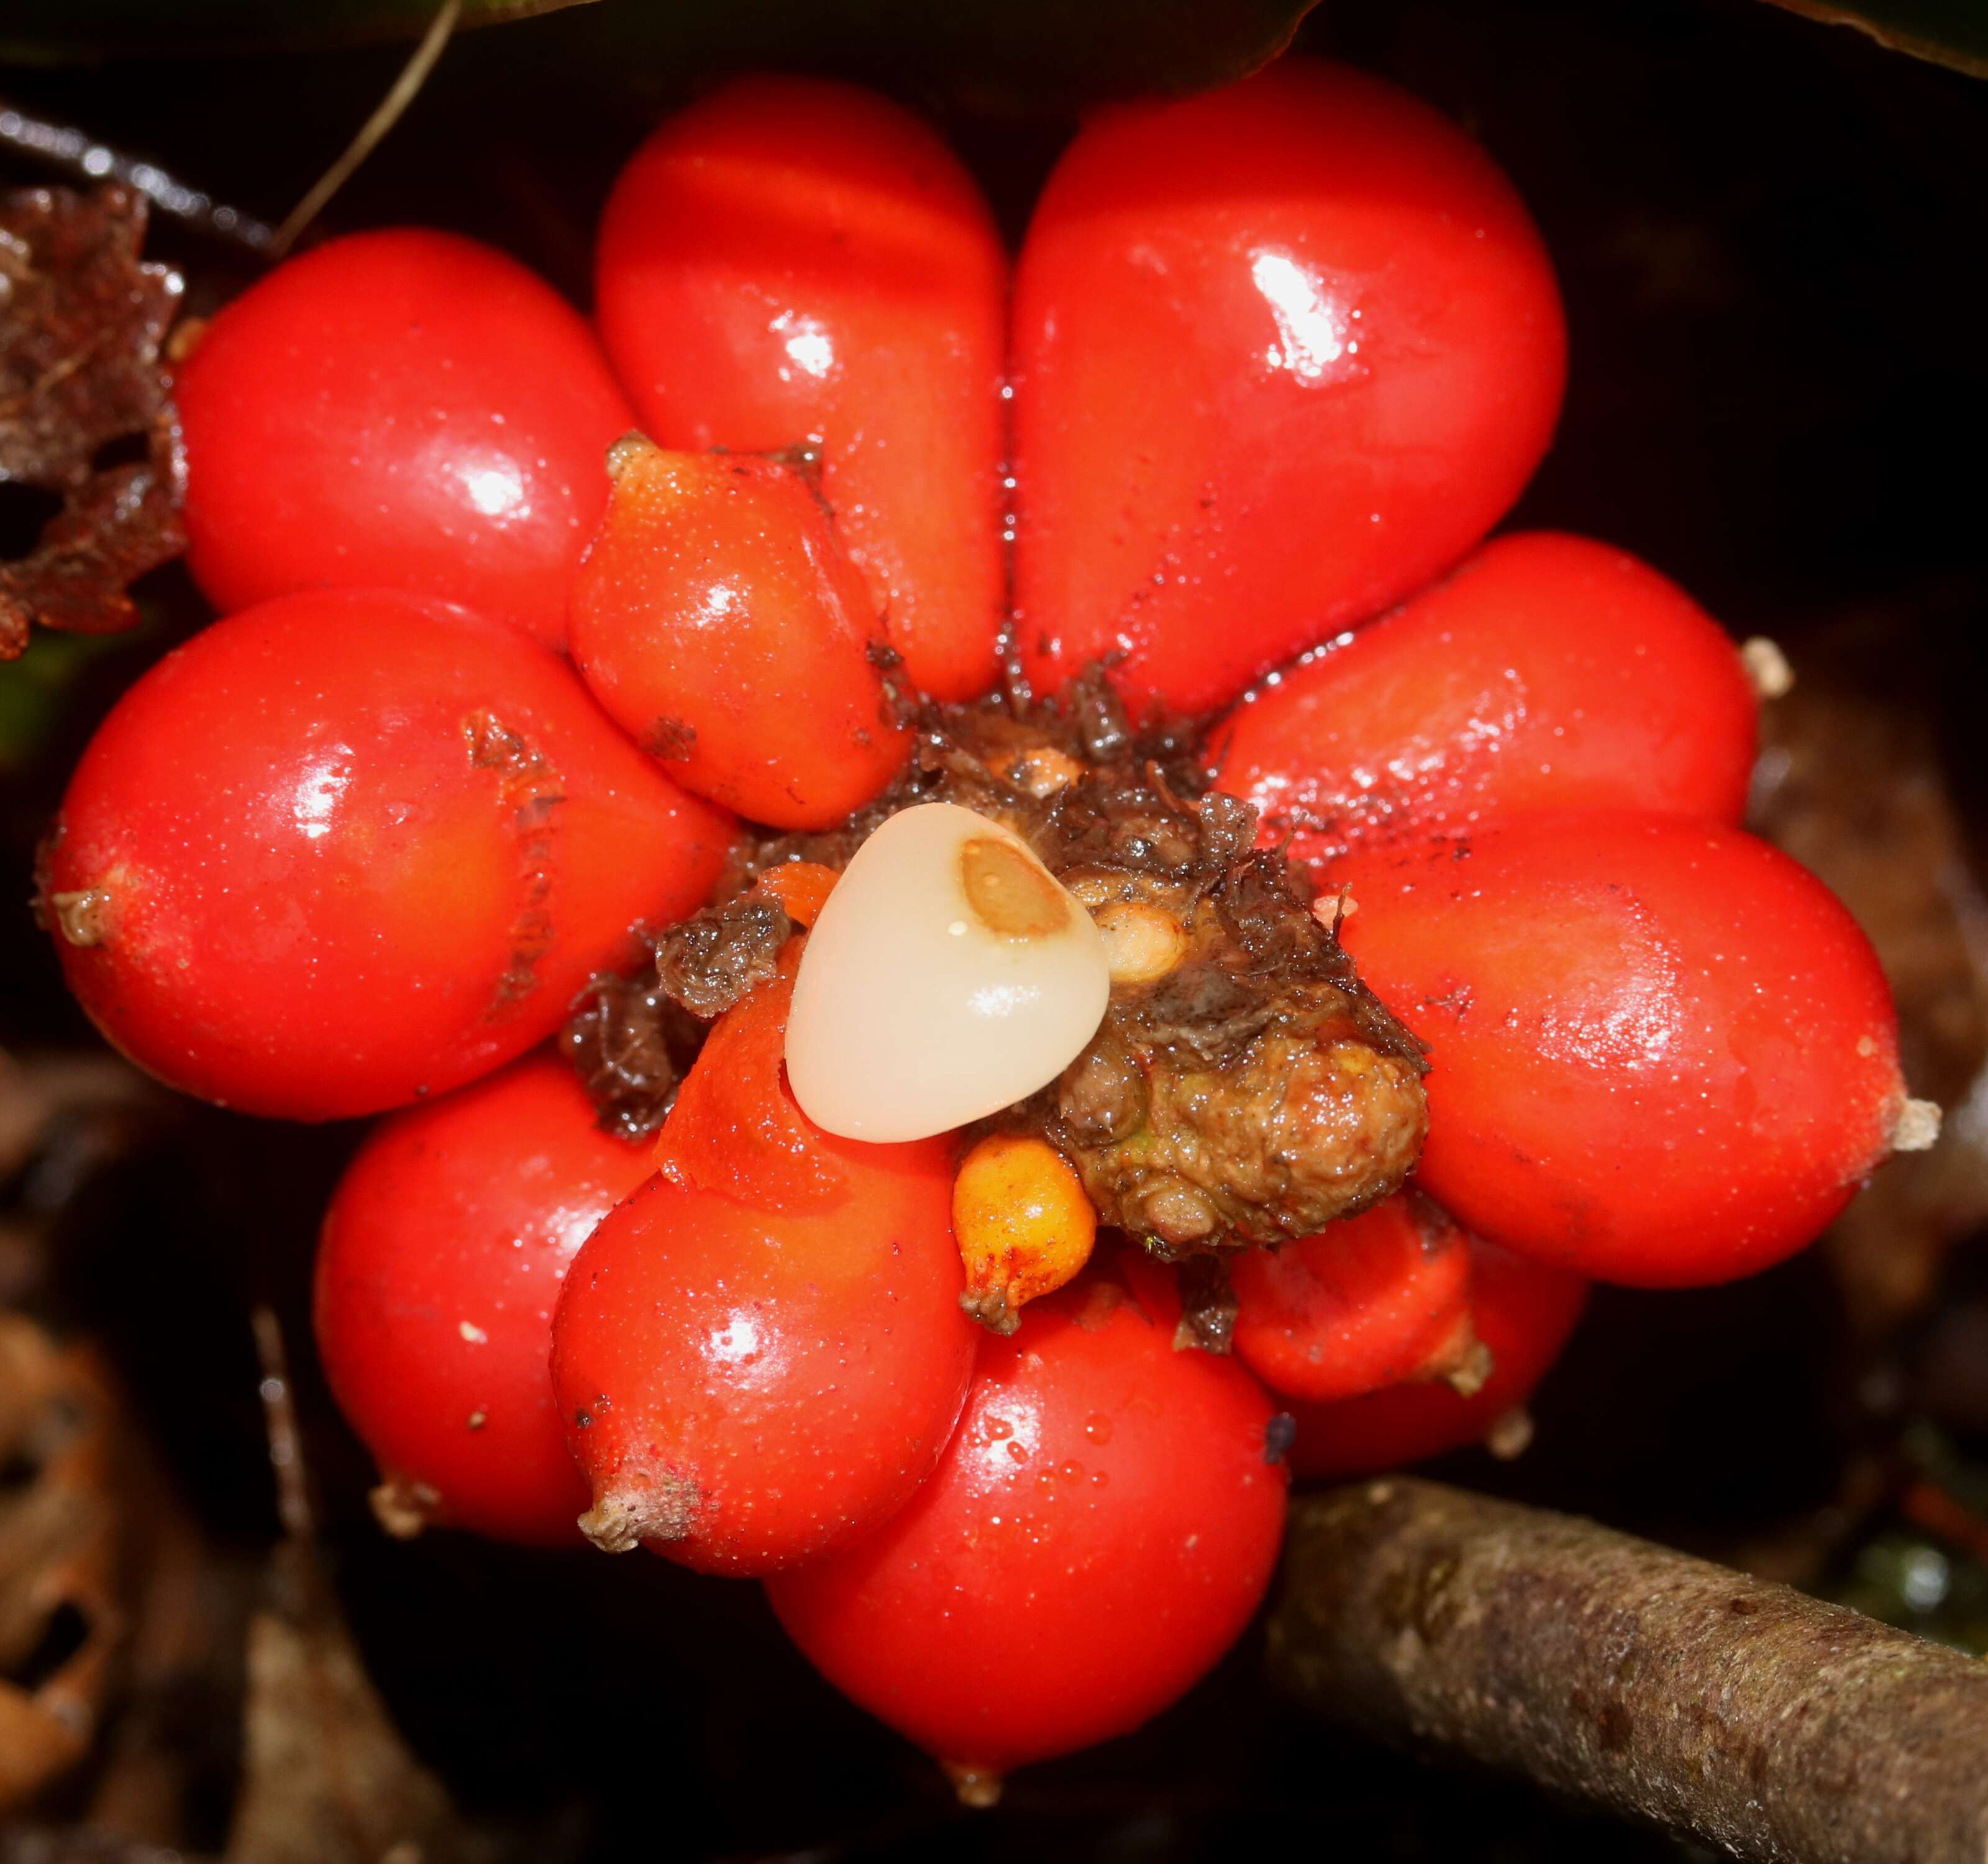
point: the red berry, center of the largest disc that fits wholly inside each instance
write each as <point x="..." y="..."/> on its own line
<point x="735" y="1128"/>
<point x="1522" y="1311"/>
<point x="1369" y="1301"/>
<point x="403" y="409"/>
<point x="1547" y="673"/>
<point x="791" y="259"/>
<point x="1661" y="1052"/>
<point x="718" y="620"/>
<point x="442" y="1255"/>
<point x="747" y="1383"/>
<point x="1282" y="351"/>
<point x="1103" y="1525"/>
<point x="348" y="848"/>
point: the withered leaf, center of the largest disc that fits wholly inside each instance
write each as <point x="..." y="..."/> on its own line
<point x="82" y="321"/>
<point x="60" y="1621"/>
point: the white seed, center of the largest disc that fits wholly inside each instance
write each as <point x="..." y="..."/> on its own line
<point x="949" y="975"/>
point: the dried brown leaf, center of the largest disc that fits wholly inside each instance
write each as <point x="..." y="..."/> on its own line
<point x="1852" y="782"/>
<point x="60" y="1621"/>
<point x="326" y="1777"/>
<point x="82" y="322"/>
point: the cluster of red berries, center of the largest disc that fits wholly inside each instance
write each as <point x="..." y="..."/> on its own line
<point x="1271" y="360"/>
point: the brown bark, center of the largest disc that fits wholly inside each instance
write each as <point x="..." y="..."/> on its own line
<point x="1770" y="1724"/>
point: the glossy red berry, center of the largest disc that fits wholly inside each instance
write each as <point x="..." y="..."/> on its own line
<point x="749" y="1384"/>
<point x="345" y="849"/>
<point x="1369" y="1301"/>
<point x="1547" y="673"/>
<point x="791" y="259"/>
<point x="1282" y="351"/>
<point x="735" y="1128"/>
<point x="403" y="409"/>
<point x="441" y="1259"/>
<point x="1523" y="1312"/>
<point x="718" y="621"/>
<point x="1105" y="1523"/>
<point x="1661" y="1052"/>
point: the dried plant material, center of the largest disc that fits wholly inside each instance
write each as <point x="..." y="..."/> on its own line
<point x="1851" y="783"/>
<point x="68" y="1116"/>
<point x="60" y="1621"/>
<point x="1244" y="1085"/>
<point x="715" y="957"/>
<point x="1207" y="1306"/>
<point x="326" y="1778"/>
<point x="82" y="1092"/>
<point x="188" y="1605"/>
<point x="81" y="320"/>
<point x="83" y="1845"/>
<point x="631" y="1045"/>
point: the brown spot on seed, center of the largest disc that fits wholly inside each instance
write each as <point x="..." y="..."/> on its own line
<point x="1012" y="893"/>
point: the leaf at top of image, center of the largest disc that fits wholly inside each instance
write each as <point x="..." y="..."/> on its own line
<point x="62" y="31"/>
<point x="1038" y="52"/>
<point x="1952" y="32"/>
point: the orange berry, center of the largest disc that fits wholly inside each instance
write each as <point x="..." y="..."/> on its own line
<point x="1023" y="1223"/>
<point x="717" y="621"/>
<point x="802" y="888"/>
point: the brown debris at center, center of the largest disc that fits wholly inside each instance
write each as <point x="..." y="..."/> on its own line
<point x="1245" y="1087"/>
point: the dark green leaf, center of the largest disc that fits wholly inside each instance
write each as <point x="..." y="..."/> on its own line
<point x="1039" y="53"/>
<point x="1947" y="31"/>
<point x="47" y="30"/>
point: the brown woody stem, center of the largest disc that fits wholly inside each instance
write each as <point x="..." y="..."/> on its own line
<point x="1768" y="1724"/>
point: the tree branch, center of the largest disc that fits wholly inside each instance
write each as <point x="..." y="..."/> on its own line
<point x="1745" y="1714"/>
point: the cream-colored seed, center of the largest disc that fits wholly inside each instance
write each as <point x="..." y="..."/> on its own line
<point x="948" y="974"/>
<point x="1141" y="943"/>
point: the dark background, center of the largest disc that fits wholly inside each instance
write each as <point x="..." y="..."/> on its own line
<point x="1770" y="235"/>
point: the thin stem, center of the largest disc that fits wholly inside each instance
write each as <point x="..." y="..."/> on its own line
<point x="279" y="1421"/>
<point x="406" y="87"/>
<point x="76" y="153"/>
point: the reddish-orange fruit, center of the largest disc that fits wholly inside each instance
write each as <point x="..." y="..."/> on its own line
<point x="1547" y="673"/>
<point x="761" y="1353"/>
<point x="348" y="848"/>
<point x="802" y="888"/>
<point x="1282" y="351"/>
<point x="441" y="1259"/>
<point x="1367" y="1302"/>
<point x="790" y="259"/>
<point x="1661" y="1052"/>
<point x="1107" y="1518"/>
<point x="734" y="1128"/>
<point x="1523" y="1312"/>
<point x="404" y="410"/>
<point x="719" y="623"/>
